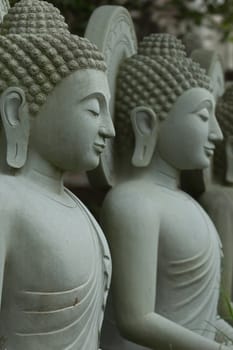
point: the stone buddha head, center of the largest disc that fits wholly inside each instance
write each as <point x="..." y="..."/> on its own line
<point x="165" y="104"/>
<point x="54" y="90"/>
<point x="196" y="182"/>
<point x="223" y="157"/>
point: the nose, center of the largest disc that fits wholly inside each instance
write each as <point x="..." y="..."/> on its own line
<point x="215" y="132"/>
<point x="107" y="129"/>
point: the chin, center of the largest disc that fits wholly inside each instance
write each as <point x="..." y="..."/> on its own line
<point x="202" y="165"/>
<point x="92" y="164"/>
<point x="78" y="167"/>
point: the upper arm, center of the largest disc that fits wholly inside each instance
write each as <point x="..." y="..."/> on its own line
<point x="132" y="228"/>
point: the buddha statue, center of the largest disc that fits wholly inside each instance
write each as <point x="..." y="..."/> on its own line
<point x="217" y="200"/>
<point x="166" y="251"/>
<point x="55" y="264"/>
<point x="211" y="186"/>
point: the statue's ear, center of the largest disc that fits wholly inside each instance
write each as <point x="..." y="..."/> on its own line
<point x="229" y="158"/>
<point x="144" y="123"/>
<point x="15" y="120"/>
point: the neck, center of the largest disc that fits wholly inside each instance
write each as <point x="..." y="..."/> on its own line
<point x="160" y="173"/>
<point x="163" y="173"/>
<point x="42" y="174"/>
<point x="4" y="168"/>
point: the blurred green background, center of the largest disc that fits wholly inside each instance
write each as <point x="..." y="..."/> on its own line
<point x="156" y="15"/>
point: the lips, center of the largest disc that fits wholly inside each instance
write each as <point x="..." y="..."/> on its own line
<point x="209" y="150"/>
<point x="99" y="147"/>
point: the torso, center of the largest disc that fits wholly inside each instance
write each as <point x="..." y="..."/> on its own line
<point x="54" y="285"/>
<point x="189" y="251"/>
<point x="188" y="278"/>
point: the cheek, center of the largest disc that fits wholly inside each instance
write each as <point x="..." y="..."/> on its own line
<point x="84" y="129"/>
<point x="88" y="126"/>
<point x="195" y="132"/>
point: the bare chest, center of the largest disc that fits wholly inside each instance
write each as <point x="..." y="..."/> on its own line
<point x="186" y="230"/>
<point x="55" y="248"/>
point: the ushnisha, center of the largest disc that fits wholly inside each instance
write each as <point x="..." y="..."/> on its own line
<point x="55" y="265"/>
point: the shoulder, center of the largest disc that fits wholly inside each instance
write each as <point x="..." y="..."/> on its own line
<point x="130" y="204"/>
<point x="130" y="195"/>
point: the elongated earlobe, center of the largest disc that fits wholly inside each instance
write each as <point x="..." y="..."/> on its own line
<point x="144" y="123"/>
<point x="15" y="121"/>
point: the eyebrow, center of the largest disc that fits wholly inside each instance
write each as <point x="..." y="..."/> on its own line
<point x="95" y="95"/>
<point x="204" y="104"/>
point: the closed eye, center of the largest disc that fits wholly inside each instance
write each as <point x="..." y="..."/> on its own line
<point x="94" y="113"/>
<point x="204" y="114"/>
<point x="203" y="117"/>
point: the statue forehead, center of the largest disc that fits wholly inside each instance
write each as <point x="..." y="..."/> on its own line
<point x="83" y="83"/>
<point x="192" y="99"/>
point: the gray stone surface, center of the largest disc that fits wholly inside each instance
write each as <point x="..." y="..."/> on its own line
<point x="55" y="265"/>
<point x="217" y="200"/>
<point x="166" y="251"/>
<point x="112" y="30"/>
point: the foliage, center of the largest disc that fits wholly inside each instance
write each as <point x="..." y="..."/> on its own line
<point x="175" y="16"/>
<point x="78" y="12"/>
<point x="216" y="14"/>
